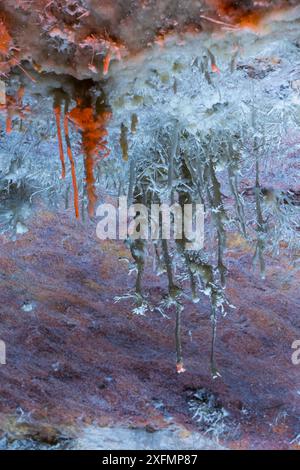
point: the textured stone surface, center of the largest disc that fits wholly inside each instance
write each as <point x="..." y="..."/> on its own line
<point x="59" y="35"/>
<point x="78" y="358"/>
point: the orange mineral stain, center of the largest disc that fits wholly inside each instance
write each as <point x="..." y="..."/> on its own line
<point x="94" y="143"/>
<point x="106" y="63"/>
<point x="215" y="68"/>
<point x="14" y="107"/>
<point x="251" y="21"/>
<point x="5" y="39"/>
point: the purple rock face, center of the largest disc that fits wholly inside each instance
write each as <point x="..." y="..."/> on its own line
<point x="157" y="102"/>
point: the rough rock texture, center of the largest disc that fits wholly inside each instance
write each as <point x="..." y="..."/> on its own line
<point x="75" y="36"/>
<point x="74" y="357"/>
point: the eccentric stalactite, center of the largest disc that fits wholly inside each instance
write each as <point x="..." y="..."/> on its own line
<point x="106" y="63"/>
<point x="192" y="176"/>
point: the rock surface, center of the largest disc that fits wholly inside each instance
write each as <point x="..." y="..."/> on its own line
<point x="82" y="368"/>
<point x="77" y="358"/>
<point x="74" y="37"/>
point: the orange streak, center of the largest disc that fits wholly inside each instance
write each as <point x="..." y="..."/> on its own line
<point x="93" y="143"/>
<point x="215" y="68"/>
<point x="8" y="124"/>
<point x="57" y="112"/>
<point x="251" y="21"/>
<point x="106" y="64"/>
<point x="73" y="171"/>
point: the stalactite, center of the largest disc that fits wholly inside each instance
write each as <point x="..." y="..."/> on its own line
<point x="214" y="369"/>
<point x="137" y="251"/>
<point x="219" y="216"/>
<point x="174" y="295"/>
<point x="132" y="177"/>
<point x="214" y="67"/>
<point x="261" y="225"/>
<point x="260" y="222"/>
<point x="233" y="183"/>
<point x="196" y="267"/>
<point x="57" y="113"/>
<point x="72" y="163"/>
<point x="8" y="127"/>
<point x="94" y="143"/>
<point x="90" y="183"/>
<point x="106" y="63"/>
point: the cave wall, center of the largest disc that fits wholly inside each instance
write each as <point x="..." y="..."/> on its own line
<point x="74" y="37"/>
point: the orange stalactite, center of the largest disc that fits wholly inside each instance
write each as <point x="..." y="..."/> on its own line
<point x="93" y="133"/>
<point x="73" y="169"/>
<point x="90" y="183"/>
<point x="106" y="63"/>
<point x="57" y="112"/>
<point x="8" y="127"/>
<point x="251" y="21"/>
<point x="215" y="69"/>
<point x="5" y="39"/>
